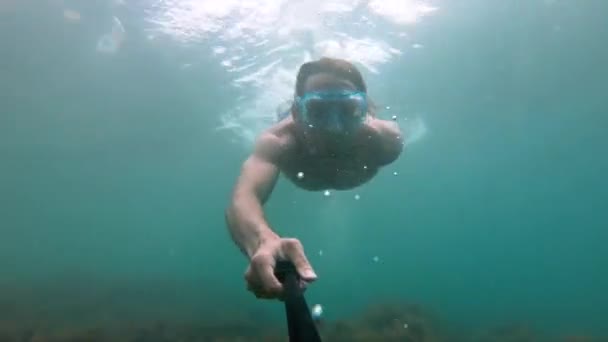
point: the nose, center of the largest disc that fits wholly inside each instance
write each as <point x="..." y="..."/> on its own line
<point x="335" y="124"/>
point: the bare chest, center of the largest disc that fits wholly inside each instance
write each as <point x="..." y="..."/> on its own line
<point x="329" y="171"/>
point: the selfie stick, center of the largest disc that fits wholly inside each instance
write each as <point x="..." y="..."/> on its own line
<point x="299" y="320"/>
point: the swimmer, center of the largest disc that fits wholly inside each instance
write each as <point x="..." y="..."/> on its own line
<point x="330" y="138"/>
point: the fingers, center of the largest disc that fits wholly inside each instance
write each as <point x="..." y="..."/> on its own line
<point x="270" y="282"/>
<point x="260" y="277"/>
<point x="260" y="293"/>
<point x="293" y="250"/>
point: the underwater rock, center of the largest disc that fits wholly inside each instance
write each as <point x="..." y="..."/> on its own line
<point x="389" y="322"/>
<point x="80" y="315"/>
<point x="583" y="338"/>
<point x="84" y="335"/>
<point x="509" y="333"/>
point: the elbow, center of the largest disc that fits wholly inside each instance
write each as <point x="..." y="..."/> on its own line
<point x="229" y="214"/>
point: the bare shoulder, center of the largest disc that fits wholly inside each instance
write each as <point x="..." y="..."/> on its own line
<point x="388" y="140"/>
<point x="275" y="142"/>
<point x="384" y="126"/>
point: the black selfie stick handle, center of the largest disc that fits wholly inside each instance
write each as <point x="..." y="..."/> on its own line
<point x="299" y="321"/>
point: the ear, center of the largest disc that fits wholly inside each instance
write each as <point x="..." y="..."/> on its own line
<point x="294" y="109"/>
<point x="372" y="108"/>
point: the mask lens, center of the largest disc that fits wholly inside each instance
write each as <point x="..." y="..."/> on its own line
<point x="351" y="107"/>
<point x="316" y="110"/>
<point x="321" y="109"/>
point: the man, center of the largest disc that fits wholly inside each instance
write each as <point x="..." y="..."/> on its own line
<point x="329" y="139"/>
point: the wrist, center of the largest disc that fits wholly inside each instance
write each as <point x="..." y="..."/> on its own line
<point x="265" y="237"/>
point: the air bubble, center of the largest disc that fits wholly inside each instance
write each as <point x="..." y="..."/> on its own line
<point x="394" y="117"/>
<point x="300" y="175"/>
<point x="395" y="173"/>
<point x="111" y="42"/>
<point x="326" y="193"/>
<point x="357" y="197"/>
<point x="317" y="311"/>
<point x="376" y="258"/>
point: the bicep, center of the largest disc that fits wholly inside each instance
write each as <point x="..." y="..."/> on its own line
<point x="259" y="172"/>
<point x="258" y="176"/>
<point x="390" y="142"/>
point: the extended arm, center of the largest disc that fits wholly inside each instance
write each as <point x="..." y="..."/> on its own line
<point x="245" y="216"/>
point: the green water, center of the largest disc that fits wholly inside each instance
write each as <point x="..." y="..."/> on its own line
<point x="114" y="176"/>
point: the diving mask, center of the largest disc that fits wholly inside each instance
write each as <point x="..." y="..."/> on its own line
<point x="336" y="111"/>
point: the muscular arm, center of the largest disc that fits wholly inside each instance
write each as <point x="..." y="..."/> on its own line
<point x="245" y="216"/>
<point x="388" y="139"/>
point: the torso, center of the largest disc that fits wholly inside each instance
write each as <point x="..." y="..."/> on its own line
<point x="323" y="170"/>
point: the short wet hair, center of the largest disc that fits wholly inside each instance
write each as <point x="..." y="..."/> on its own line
<point x="337" y="67"/>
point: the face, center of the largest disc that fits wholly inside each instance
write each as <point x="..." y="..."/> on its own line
<point x="323" y="81"/>
<point x="331" y="107"/>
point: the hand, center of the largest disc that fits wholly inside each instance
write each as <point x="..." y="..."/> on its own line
<point x="260" y="273"/>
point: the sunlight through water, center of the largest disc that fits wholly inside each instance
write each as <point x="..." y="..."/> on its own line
<point x="262" y="44"/>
